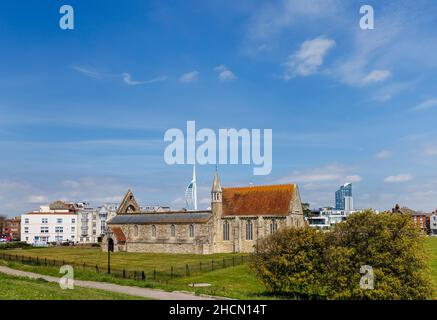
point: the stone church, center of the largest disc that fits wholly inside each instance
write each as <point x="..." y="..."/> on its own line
<point x="237" y="219"/>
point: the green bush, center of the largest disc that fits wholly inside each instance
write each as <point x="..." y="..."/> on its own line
<point x="15" y="245"/>
<point x="309" y="264"/>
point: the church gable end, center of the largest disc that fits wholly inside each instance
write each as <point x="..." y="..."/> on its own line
<point x="129" y="205"/>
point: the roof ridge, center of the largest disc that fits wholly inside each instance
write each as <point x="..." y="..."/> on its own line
<point x="263" y="186"/>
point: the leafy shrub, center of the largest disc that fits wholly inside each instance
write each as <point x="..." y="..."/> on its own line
<point x="15" y="245"/>
<point x="309" y="264"/>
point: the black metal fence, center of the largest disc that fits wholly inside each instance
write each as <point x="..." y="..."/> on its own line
<point x="158" y="275"/>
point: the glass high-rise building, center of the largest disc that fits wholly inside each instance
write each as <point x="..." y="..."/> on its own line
<point x="341" y="195"/>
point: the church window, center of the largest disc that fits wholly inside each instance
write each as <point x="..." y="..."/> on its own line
<point x="135" y="231"/>
<point x="173" y="231"/>
<point x="273" y="226"/>
<point x="226" y="230"/>
<point x="191" y="231"/>
<point x="249" y="230"/>
<point x="154" y="231"/>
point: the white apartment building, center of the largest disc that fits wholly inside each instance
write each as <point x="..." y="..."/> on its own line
<point x="433" y="224"/>
<point x="92" y="221"/>
<point x="39" y="228"/>
<point x="66" y="222"/>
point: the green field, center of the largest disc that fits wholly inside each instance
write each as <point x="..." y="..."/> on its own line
<point x="235" y="282"/>
<point x="20" y="288"/>
<point x="122" y="260"/>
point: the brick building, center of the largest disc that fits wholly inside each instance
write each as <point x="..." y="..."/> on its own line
<point x="11" y="228"/>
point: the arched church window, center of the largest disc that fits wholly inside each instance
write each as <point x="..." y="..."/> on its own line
<point x="153" y="231"/>
<point x="225" y="230"/>
<point x="249" y="230"/>
<point x="173" y="231"/>
<point x="273" y="226"/>
<point x="135" y="231"/>
<point x="191" y="231"/>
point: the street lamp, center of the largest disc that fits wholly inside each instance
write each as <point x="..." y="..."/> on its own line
<point x="110" y="248"/>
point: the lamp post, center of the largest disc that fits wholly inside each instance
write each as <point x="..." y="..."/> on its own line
<point x="110" y="248"/>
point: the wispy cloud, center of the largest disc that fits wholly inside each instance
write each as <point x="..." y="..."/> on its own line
<point x="224" y="74"/>
<point x="189" y="77"/>
<point x="403" y="177"/>
<point x="430" y="150"/>
<point x="89" y="72"/>
<point x="383" y="154"/>
<point x="377" y="76"/>
<point x="308" y="58"/>
<point x="425" y="105"/>
<point x="127" y="79"/>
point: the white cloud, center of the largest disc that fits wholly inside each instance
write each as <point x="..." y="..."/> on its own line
<point x="38" y="199"/>
<point x="88" y="72"/>
<point x="308" y="58"/>
<point x="383" y="154"/>
<point x="127" y="79"/>
<point x="431" y="150"/>
<point x="403" y="177"/>
<point x="377" y="76"/>
<point x="188" y="77"/>
<point x="353" y="178"/>
<point x="224" y="74"/>
<point x="425" y="105"/>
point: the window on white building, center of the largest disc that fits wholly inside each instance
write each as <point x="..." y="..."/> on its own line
<point x="73" y="220"/>
<point x="73" y="229"/>
<point x="59" y="229"/>
<point x="44" y="220"/>
<point x="44" y="229"/>
<point x="26" y="220"/>
<point x="59" y="220"/>
<point x="26" y="229"/>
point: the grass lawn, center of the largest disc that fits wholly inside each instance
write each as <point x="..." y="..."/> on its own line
<point x="124" y="260"/>
<point x="20" y="288"/>
<point x="431" y="245"/>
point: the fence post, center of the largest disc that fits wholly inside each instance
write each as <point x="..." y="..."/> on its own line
<point x="135" y="275"/>
<point x="233" y="261"/>
<point x="84" y="265"/>
<point x="97" y="268"/>
<point x="212" y="265"/>
<point x="143" y="275"/>
<point x="200" y="266"/>
<point x="187" y="271"/>
<point x="224" y="264"/>
<point x="45" y="261"/>
<point x="154" y="274"/>
<point x="171" y="274"/>
<point x="124" y="273"/>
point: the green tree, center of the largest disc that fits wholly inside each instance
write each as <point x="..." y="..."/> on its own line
<point x="306" y="209"/>
<point x="306" y="263"/>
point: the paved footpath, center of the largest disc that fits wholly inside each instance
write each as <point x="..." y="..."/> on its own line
<point x="135" y="291"/>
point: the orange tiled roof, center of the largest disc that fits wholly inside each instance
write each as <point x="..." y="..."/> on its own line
<point x="258" y="200"/>
<point x="119" y="235"/>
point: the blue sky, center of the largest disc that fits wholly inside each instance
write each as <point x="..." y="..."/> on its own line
<point x="83" y="113"/>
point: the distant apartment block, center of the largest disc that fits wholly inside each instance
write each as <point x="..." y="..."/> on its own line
<point x="343" y="198"/>
<point x="66" y="222"/>
<point x="433" y="223"/>
<point x="10" y="228"/>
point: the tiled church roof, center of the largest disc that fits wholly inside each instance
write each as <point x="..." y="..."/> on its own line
<point x="258" y="200"/>
<point x="119" y="235"/>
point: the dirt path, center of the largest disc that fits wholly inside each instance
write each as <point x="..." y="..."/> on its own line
<point x="135" y="291"/>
